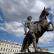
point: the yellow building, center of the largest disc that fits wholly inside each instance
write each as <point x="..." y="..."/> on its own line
<point x="7" y="47"/>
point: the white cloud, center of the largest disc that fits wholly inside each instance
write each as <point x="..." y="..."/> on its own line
<point x="38" y="6"/>
<point x="14" y="28"/>
<point x="16" y="10"/>
<point x="47" y="37"/>
<point x="21" y="9"/>
<point x="11" y="9"/>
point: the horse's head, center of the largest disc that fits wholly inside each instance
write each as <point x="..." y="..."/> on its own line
<point x="44" y="13"/>
<point x="50" y="26"/>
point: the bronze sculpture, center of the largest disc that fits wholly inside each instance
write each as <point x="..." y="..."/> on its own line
<point x="39" y="27"/>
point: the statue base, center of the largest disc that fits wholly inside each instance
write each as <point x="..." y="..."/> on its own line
<point x="35" y="53"/>
<point x="39" y="51"/>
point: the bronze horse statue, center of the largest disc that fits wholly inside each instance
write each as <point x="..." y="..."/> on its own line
<point x="40" y="27"/>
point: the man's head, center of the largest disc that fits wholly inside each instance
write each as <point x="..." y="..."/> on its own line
<point x="29" y="18"/>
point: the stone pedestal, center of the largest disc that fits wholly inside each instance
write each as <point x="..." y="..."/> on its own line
<point x="35" y="53"/>
<point x="42" y="49"/>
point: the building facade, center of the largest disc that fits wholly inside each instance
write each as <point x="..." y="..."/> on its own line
<point x="7" y="47"/>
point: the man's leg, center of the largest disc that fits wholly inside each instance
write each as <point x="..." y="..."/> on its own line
<point x="34" y="41"/>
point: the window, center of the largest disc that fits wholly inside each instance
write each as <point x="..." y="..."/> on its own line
<point x="13" y="50"/>
<point x="1" y="49"/>
<point x="7" y="45"/>
<point x="9" y="50"/>
<point x="4" y="49"/>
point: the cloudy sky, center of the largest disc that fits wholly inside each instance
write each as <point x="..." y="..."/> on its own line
<point x="13" y="14"/>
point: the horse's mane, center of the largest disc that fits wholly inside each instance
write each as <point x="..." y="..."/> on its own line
<point x="42" y="13"/>
<point x="40" y="20"/>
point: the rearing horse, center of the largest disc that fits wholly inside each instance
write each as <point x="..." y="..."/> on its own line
<point x="39" y="28"/>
